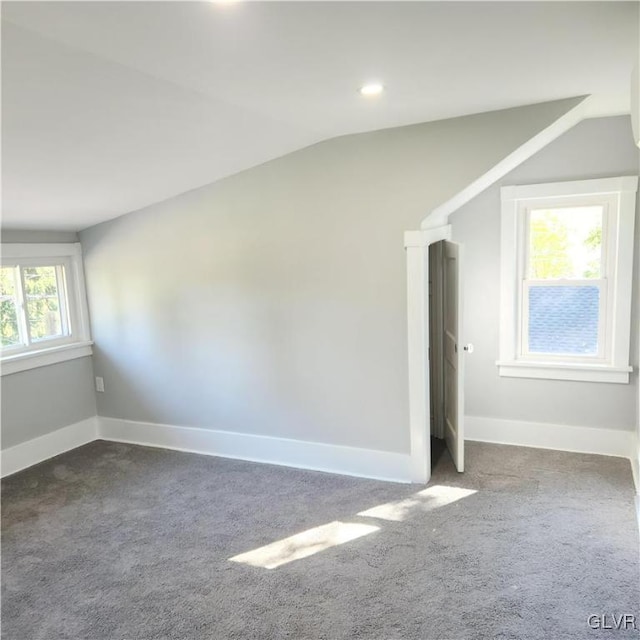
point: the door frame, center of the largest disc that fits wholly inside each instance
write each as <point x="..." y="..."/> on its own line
<point x="417" y="245"/>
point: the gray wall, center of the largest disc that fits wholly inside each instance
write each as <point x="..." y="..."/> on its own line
<point x="595" y="148"/>
<point x="41" y="400"/>
<point x="274" y="302"/>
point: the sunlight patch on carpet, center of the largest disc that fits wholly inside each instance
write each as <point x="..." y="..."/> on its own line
<point x="426" y="500"/>
<point x="305" y="544"/>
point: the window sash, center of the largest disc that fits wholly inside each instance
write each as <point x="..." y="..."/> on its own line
<point x="68" y="317"/>
<point x="607" y="221"/>
<point x="523" y="334"/>
<point x="608" y="203"/>
<point x="61" y="291"/>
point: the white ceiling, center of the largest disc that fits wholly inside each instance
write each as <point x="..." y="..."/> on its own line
<point x="111" y="106"/>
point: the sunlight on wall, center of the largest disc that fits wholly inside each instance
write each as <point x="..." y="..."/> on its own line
<point x="431" y="498"/>
<point x="304" y="544"/>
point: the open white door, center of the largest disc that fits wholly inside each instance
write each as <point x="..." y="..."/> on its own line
<point x="453" y="353"/>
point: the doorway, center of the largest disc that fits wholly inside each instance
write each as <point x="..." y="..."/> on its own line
<point x="446" y="354"/>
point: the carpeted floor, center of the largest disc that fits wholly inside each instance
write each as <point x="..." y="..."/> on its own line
<point x="115" y="542"/>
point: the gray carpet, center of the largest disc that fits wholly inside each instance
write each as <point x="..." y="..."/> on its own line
<point x="123" y="542"/>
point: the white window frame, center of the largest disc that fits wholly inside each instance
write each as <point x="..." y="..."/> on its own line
<point x="75" y="313"/>
<point x="611" y="364"/>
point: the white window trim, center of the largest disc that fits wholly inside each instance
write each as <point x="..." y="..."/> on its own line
<point x="68" y="348"/>
<point x="614" y="367"/>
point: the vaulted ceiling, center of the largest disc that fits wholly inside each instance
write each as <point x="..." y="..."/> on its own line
<point x="110" y="106"/>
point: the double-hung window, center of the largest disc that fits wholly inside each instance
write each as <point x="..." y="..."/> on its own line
<point x="567" y="263"/>
<point x="43" y="309"/>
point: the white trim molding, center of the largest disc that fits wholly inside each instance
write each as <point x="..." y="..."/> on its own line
<point x="440" y="215"/>
<point x="561" y="371"/>
<point x="570" y="188"/>
<point x="559" y="437"/>
<point x="43" y="357"/>
<point x="26" y="454"/>
<point x="617" y="197"/>
<point x="351" y="461"/>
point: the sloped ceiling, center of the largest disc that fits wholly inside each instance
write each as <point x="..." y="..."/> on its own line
<point x="111" y="106"/>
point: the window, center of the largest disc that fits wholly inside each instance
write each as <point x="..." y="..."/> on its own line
<point x="43" y="311"/>
<point x="567" y="256"/>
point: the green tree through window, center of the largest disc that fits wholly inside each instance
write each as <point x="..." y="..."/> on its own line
<point x="43" y="306"/>
<point x="42" y="288"/>
<point x="9" y="332"/>
<point x="565" y="243"/>
<point x="549" y="247"/>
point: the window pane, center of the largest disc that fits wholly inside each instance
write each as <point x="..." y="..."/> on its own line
<point x="42" y="297"/>
<point x="8" y="315"/>
<point x="564" y="319"/>
<point x="565" y="243"/>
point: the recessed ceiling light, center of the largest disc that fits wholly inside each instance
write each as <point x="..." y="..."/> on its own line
<point x="371" y="89"/>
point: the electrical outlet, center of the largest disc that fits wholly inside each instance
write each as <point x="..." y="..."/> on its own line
<point x="99" y="384"/>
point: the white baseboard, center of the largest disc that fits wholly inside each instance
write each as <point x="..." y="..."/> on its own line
<point x="562" y="437"/>
<point x="351" y="461"/>
<point x="52" y="444"/>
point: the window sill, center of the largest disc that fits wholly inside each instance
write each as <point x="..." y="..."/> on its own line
<point x="44" y="357"/>
<point x="561" y="371"/>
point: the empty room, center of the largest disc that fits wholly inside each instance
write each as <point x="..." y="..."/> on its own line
<point x="320" y="320"/>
